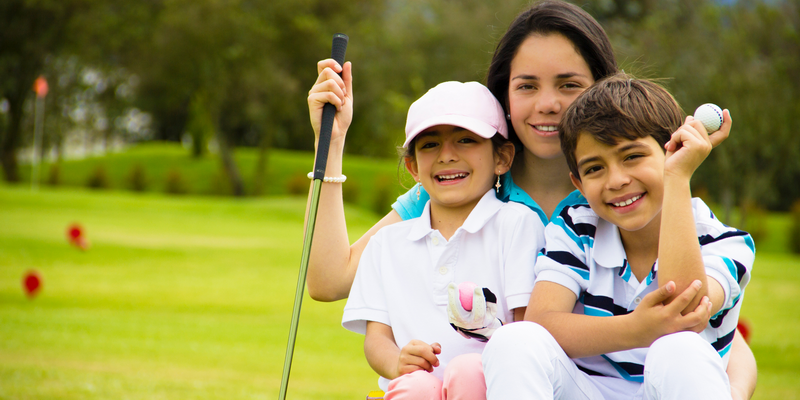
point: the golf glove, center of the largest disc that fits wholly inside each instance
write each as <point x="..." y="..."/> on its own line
<point x="481" y="322"/>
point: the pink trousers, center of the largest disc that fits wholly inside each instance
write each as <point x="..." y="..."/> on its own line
<point x="463" y="380"/>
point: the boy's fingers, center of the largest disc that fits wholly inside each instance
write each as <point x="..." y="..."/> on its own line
<point x="698" y="319"/>
<point x="724" y="131"/>
<point x="660" y="295"/>
<point x="686" y="296"/>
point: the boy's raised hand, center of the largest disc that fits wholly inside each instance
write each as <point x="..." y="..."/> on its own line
<point x="688" y="147"/>
<point x="334" y="89"/>
<point x="654" y="319"/>
<point x="417" y="355"/>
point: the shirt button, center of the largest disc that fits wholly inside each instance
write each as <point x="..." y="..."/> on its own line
<point x="435" y="241"/>
<point x="443" y="270"/>
<point x="637" y="300"/>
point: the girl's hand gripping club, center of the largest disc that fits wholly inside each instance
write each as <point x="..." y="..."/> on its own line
<point x="328" y="113"/>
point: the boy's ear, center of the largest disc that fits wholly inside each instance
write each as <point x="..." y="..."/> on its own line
<point x="577" y="183"/>
<point x="504" y="157"/>
<point x="411" y="166"/>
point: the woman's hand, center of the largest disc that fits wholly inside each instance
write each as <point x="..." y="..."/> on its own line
<point x="334" y="89"/>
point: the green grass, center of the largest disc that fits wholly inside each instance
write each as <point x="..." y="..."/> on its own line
<point x="177" y="298"/>
<point x="190" y="298"/>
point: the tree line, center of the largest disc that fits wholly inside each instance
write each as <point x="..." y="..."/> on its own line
<point x="238" y="72"/>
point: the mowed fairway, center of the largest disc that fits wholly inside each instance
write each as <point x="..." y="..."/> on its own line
<point x="177" y="298"/>
<point x="191" y="298"/>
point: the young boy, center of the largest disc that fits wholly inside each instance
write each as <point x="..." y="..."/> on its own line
<point x="626" y="288"/>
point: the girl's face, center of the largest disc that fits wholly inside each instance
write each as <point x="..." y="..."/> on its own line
<point x="547" y="75"/>
<point x="456" y="166"/>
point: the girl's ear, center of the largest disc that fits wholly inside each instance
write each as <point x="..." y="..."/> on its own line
<point x="577" y="183"/>
<point x="411" y="166"/>
<point x="504" y="156"/>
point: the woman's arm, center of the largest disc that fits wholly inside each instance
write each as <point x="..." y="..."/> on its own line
<point x="742" y="369"/>
<point x="333" y="261"/>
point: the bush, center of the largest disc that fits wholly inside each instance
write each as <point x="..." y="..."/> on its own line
<point x="385" y="187"/>
<point x="175" y="183"/>
<point x="220" y="185"/>
<point x="350" y="192"/>
<point x="794" y="230"/>
<point x="297" y="185"/>
<point x="756" y="222"/>
<point x="136" y="179"/>
<point x="98" y="179"/>
<point x="54" y="177"/>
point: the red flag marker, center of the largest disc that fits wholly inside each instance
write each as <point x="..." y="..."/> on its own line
<point x="32" y="283"/>
<point x="40" y="87"/>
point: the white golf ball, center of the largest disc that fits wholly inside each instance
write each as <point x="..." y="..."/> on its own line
<point x="710" y="115"/>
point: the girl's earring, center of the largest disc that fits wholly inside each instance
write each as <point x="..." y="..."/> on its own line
<point x="418" y="191"/>
<point x="508" y="117"/>
<point x="497" y="185"/>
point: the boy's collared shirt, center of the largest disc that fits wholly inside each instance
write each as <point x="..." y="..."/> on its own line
<point x="403" y="275"/>
<point x="407" y="205"/>
<point x="585" y="254"/>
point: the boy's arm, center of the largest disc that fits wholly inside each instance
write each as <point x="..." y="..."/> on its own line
<point x="551" y="306"/>
<point x="389" y="361"/>
<point x="679" y="257"/>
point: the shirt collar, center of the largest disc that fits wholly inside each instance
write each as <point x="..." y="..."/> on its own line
<point x="608" y="249"/>
<point x="487" y="206"/>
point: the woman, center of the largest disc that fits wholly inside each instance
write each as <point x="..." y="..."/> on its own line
<point x="551" y="53"/>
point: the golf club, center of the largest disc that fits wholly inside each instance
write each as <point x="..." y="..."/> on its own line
<point x="328" y="113"/>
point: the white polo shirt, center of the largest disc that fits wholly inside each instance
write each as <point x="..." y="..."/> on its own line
<point x="585" y="254"/>
<point x="405" y="269"/>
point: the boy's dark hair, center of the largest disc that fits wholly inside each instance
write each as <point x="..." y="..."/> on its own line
<point x="545" y="18"/>
<point x="619" y="107"/>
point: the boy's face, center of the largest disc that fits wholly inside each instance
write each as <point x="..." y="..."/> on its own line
<point x="623" y="183"/>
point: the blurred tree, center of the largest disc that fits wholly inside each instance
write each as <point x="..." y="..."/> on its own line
<point x="30" y="31"/>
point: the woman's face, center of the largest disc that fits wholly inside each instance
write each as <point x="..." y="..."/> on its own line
<point x="547" y="74"/>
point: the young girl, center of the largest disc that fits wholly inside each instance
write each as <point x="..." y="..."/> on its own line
<point x="456" y="149"/>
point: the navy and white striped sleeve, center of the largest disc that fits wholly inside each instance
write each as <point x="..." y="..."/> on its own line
<point x="564" y="260"/>
<point x="728" y="253"/>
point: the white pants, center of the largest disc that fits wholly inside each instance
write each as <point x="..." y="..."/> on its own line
<point x="522" y="360"/>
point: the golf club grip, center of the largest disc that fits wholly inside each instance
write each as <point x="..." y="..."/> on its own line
<point x="329" y="112"/>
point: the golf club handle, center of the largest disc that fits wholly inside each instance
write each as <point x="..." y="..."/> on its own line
<point x="329" y="112"/>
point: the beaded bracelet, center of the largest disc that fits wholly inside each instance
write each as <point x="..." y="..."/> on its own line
<point x="329" y="179"/>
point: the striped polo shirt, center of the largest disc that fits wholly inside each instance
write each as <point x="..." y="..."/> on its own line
<point x="585" y="254"/>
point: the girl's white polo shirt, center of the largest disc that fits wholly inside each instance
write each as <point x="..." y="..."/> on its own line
<point x="405" y="269"/>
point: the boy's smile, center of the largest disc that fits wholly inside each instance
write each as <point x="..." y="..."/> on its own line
<point x="624" y="183"/>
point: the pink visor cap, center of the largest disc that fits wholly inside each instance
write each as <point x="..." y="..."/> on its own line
<point x="467" y="105"/>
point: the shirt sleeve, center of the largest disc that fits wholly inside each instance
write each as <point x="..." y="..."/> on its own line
<point x="366" y="301"/>
<point x="728" y="254"/>
<point x="407" y="204"/>
<point x="564" y="259"/>
<point x="522" y="247"/>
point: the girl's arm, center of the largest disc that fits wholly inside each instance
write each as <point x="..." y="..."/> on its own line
<point x="333" y="261"/>
<point x="742" y="369"/>
<point x="551" y="306"/>
<point x="389" y="361"/>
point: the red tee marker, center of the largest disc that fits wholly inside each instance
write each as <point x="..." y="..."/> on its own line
<point x="744" y="329"/>
<point x="76" y="237"/>
<point x="32" y="283"/>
